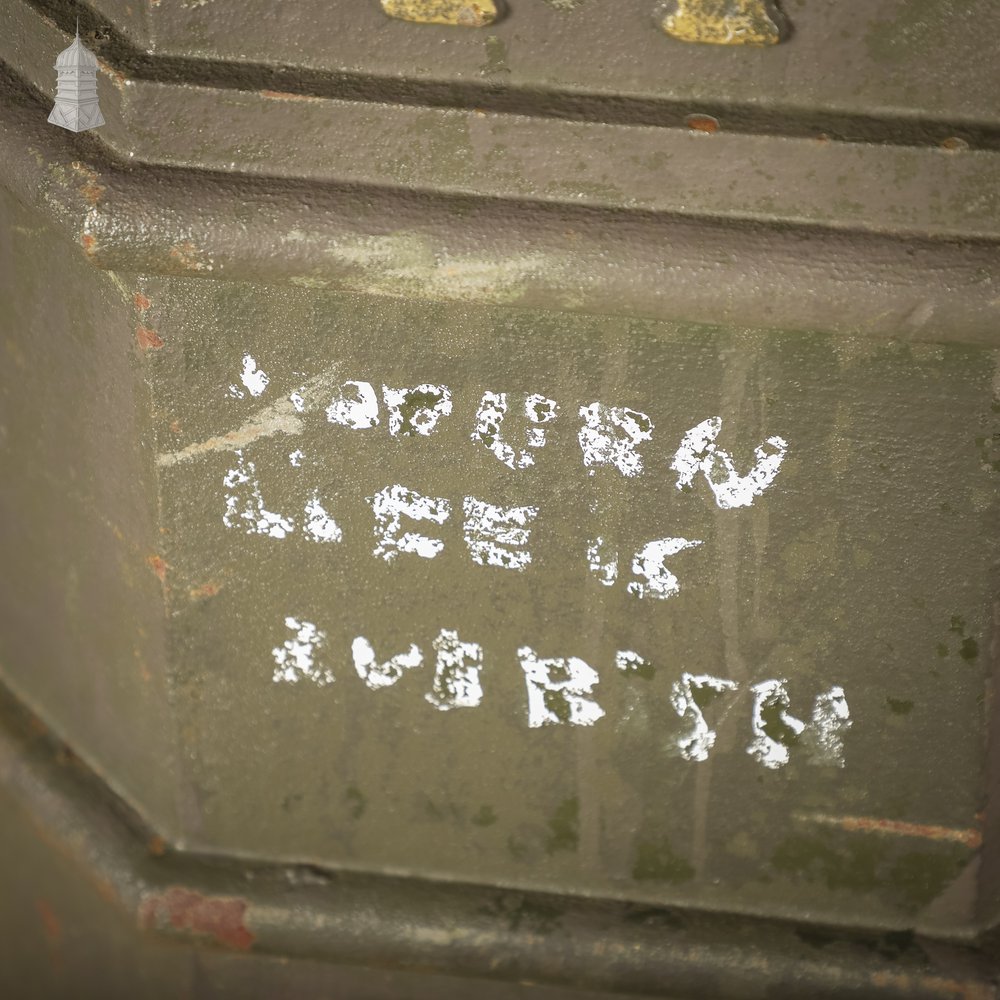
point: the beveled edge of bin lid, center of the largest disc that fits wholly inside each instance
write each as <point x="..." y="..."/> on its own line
<point x="213" y="224"/>
<point x="305" y="912"/>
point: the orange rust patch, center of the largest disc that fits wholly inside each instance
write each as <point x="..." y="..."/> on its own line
<point x="117" y="78"/>
<point x="50" y="922"/>
<point x="149" y="340"/>
<point x="187" y="255"/>
<point x="175" y="427"/>
<point x="159" y="566"/>
<point x="702" y="123"/>
<point x="157" y="846"/>
<point x="218" y="918"/>
<point x="954" y="144"/>
<point x="92" y="190"/>
<point x="141" y="302"/>
<point x="209" y="589"/>
<point x="89" y="243"/>
<point x="897" y="828"/>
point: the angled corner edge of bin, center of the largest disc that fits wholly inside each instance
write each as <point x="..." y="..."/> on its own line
<point x="535" y="739"/>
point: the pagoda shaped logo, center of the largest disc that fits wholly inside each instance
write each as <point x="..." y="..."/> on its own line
<point x="76" y="105"/>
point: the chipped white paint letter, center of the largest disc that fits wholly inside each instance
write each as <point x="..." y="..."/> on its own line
<point x="319" y="526"/>
<point x="296" y="658"/>
<point x="689" y="696"/>
<point x="394" y="503"/>
<point x="609" y="437"/>
<point x="252" y="377"/>
<point x="357" y="409"/>
<point x="490" y="415"/>
<point x="774" y="730"/>
<point x="699" y="453"/>
<point x="831" y="718"/>
<point x="456" y="675"/>
<point x="629" y="661"/>
<point x="559" y="690"/>
<point x="379" y="675"/>
<point x="494" y="535"/>
<point x="416" y="410"/>
<point x="245" y="503"/>
<point x="650" y="564"/>
<point x="603" y="563"/>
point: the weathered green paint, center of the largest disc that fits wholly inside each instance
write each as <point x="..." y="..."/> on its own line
<point x="839" y="294"/>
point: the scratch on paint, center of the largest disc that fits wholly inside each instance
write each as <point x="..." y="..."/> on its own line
<point x="280" y="417"/>
<point x="896" y="828"/>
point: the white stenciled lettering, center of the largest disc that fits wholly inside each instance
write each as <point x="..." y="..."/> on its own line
<point x="774" y="729"/>
<point x="379" y="675"/>
<point x="456" y="675"/>
<point x="394" y="503"/>
<point x="354" y="406"/>
<point x="495" y="536"/>
<point x="699" y="453"/>
<point x="831" y="718"/>
<point x="490" y="416"/>
<point x="245" y="505"/>
<point x="610" y="435"/>
<point x="254" y="380"/>
<point x="559" y="690"/>
<point x="603" y="562"/>
<point x="690" y="696"/>
<point x="650" y="564"/>
<point x="319" y="526"/>
<point x="629" y="661"/>
<point x="416" y="410"/>
<point x="295" y="659"/>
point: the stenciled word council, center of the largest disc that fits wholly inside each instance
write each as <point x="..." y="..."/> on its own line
<point x="560" y="691"/>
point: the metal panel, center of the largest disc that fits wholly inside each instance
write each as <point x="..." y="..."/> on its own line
<point x="681" y="681"/>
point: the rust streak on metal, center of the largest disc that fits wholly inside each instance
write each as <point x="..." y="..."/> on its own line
<point x="117" y="77"/>
<point x="50" y="922"/>
<point x="93" y="189"/>
<point x="149" y="340"/>
<point x="156" y="846"/>
<point x="141" y="302"/>
<point x="209" y="589"/>
<point x="898" y="828"/>
<point x="89" y="243"/>
<point x="159" y="566"/>
<point x="219" y="918"/>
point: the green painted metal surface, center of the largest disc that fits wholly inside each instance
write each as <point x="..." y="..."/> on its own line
<point x="515" y="541"/>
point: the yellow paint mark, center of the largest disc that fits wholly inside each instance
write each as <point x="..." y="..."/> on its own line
<point x="723" y="22"/>
<point x="467" y="13"/>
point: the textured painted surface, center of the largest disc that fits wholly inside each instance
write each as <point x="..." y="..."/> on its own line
<point x="552" y="498"/>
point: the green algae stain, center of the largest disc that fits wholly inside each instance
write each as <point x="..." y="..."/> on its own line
<point x="969" y="649"/>
<point x="357" y="800"/>
<point x="655" y="861"/>
<point x="564" y="827"/>
<point x="485" y="817"/>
